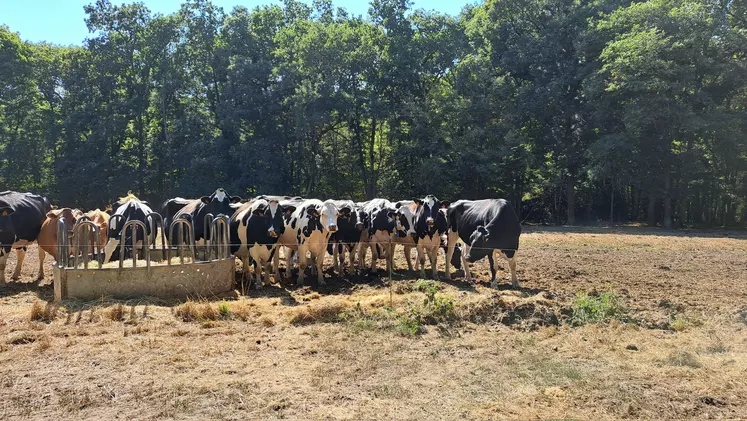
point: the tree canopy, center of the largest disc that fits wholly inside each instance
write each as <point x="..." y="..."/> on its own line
<point x="578" y="110"/>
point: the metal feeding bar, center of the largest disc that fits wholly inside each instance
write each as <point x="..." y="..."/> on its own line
<point x="85" y="229"/>
<point x="181" y="223"/>
<point x="63" y="244"/>
<point x="207" y="224"/>
<point x="123" y="239"/>
<point x="219" y="236"/>
<point x="156" y="220"/>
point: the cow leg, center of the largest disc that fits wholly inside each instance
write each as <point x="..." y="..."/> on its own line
<point x="421" y="260"/>
<point x="362" y="252"/>
<point x="276" y="262"/>
<point x="390" y="258"/>
<point x="42" y="255"/>
<point x="374" y="257"/>
<point x="341" y="266"/>
<point x="288" y="262"/>
<point x="302" y="264"/>
<point x="408" y="257"/>
<point x="3" y="259"/>
<point x="257" y="275"/>
<point x="465" y="263"/>
<point x="266" y="266"/>
<point x="275" y="265"/>
<point x="21" y="253"/>
<point x="512" y="266"/>
<point x="336" y="259"/>
<point x="452" y="238"/>
<point x="433" y="255"/>
<point x="351" y="255"/>
<point x="319" y="263"/>
<point x="491" y="259"/>
<point x="244" y="273"/>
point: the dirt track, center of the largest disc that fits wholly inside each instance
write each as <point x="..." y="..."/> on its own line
<point x="271" y="365"/>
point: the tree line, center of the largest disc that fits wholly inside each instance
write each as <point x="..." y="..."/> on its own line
<point x="579" y="110"/>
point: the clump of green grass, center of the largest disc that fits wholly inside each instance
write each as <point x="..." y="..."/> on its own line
<point x="435" y="309"/>
<point x="224" y="310"/>
<point x="595" y="309"/>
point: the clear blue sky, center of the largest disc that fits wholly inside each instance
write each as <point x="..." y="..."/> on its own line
<point x="61" y="21"/>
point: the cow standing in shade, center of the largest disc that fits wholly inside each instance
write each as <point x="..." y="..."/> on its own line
<point x="381" y="234"/>
<point x="255" y="229"/>
<point x="132" y="209"/>
<point x="21" y="218"/>
<point x="486" y="227"/>
<point x="430" y="224"/>
<point x="308" y="230"/>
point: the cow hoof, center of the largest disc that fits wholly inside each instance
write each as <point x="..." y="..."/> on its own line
<point x="15" y="278"/>
<point x="494" y="285"/>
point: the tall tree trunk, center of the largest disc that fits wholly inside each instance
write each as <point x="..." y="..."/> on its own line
<point x="571" y="197"/>
<point x="612" y="203"/>
<point x="667" y="200"/>
<point x="651" y="213"/>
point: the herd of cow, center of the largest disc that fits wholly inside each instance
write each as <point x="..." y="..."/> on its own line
<point x="306" y="228"/>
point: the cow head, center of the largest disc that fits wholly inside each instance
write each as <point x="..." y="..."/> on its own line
<point x="429" y="218"/>
<point x="405" y="218"/>
<point x="274" y="214"/>
<point x="328" y="216"/>
<point x="363" y="220"/>
<point x="383" y="219"/>
<point x="480" y="244"/>
<point x="219" y="202"/>
<point x="7" y="232"/>
<point x="70" y="217"/>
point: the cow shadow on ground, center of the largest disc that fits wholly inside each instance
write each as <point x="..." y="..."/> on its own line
<point x="43" y="291"/>
<point x="347" y="283"/>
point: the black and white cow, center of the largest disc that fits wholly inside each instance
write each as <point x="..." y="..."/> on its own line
<point x="171" y="208"/>
<point x="430" y="225"/>
<point x="382" y="214"/>
<point x="308" y="230"/>
<point x="486" y="227"/>
<point x="132" y="209"/>
<point x="21" y="218"/>
<point x="406" y="234"/>
<point x="195" y="210"/>
<point x="348" y="234"/>
<point x="255" y="229"/>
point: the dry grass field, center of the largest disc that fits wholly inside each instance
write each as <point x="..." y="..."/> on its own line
<point x="674" y="344"/>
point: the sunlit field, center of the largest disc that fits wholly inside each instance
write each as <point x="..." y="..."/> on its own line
<point x="659" y="331"/>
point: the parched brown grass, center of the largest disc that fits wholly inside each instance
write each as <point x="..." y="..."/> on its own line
<point x="361" y="348"/>
<point x="43" y="312"/>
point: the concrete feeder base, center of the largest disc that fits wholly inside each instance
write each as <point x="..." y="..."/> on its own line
<point x="191" y="280"/>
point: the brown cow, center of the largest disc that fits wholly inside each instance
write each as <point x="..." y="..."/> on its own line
<point x="100" y="219"/>
<point x="48" y="235"/>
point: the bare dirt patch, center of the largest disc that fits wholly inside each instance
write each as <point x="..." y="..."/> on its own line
<point x="349" y="350"/>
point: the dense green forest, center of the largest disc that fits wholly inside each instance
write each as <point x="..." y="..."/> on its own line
<point x="580" y="110"/>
